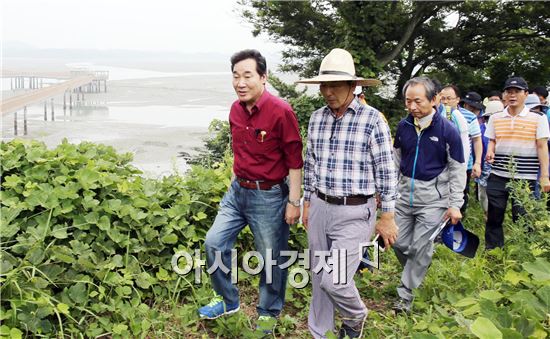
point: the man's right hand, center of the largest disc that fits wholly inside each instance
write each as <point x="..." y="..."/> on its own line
<point x="490" y="157"/>
<point x="305" y="215"/>
<point x="387" y="228"/>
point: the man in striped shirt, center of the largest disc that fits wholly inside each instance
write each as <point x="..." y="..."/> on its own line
<point x="348" y="160"/>
<point x="517" y="149"/>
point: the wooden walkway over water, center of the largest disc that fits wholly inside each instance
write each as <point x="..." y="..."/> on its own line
<point x="79" y="82"/>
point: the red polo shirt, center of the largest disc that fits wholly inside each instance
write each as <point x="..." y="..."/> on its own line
<point x="266" y="141"/>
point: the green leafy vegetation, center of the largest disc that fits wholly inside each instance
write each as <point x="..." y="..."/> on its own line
<point x="86" y="248"/>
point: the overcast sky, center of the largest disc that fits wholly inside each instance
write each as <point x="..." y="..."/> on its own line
<point x="154" y="25"/>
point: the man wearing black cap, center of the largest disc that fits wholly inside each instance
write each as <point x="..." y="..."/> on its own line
<point x="517" y="139"/>
<point x="473" y="103"/>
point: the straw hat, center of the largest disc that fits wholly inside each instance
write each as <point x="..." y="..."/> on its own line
<point x="338" y="66"/>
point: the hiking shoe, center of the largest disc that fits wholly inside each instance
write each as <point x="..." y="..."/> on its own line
<point x="402" y="306"/>
<point x="266" y="324"/>
<point x="347" y="331"/>
<point x="216" y="308"/>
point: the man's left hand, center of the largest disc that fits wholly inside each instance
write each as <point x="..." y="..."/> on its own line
<point x="292" y="214"/>
<point x="476" y="170"/>
<point x="453" y="214"/>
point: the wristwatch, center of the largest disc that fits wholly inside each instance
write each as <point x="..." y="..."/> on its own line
<point x="295" y="203"/>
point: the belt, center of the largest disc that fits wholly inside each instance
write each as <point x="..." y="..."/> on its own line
<point x="349" y="200"/>
<point x="258" y="184"/>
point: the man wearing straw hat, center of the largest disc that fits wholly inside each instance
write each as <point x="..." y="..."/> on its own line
<point x="348" y="160"/>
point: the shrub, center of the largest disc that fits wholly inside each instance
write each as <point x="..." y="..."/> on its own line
<point x="87" y="242"/>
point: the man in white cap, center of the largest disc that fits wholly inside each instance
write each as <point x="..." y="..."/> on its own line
<point x="348" y="160"/>
<point x="534" y="105"/>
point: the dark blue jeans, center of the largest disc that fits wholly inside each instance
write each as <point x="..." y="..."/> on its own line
<point x="263" y="211"/>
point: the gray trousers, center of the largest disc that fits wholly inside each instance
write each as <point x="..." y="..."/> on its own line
<point x="337" y="227"/>
<point x="413" y="247"/>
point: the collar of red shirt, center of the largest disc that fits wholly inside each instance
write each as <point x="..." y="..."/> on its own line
<point x="259" y="103"/>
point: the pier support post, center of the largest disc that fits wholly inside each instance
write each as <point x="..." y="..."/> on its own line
<point x="15" y="123"/>
<point x="25" y="120"/>
<point x="53" y="116"/>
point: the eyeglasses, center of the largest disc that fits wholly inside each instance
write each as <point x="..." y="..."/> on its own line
<point x="448" y="98"/>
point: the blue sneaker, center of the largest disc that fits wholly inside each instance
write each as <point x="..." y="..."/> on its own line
<point x="216" y="308"/>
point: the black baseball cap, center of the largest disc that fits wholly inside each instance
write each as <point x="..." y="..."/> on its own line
<point x="473" y="99"/>
<point x="516" y="82"/>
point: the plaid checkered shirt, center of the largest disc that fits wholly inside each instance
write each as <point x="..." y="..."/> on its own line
<point x="351" y="155"/>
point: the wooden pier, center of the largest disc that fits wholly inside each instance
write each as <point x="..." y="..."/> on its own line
<point x="76" y="82"/>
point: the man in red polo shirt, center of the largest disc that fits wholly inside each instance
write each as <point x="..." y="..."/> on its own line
<point x="267" y="149"/>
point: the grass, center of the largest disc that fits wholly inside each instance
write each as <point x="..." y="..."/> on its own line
<point x="450" y="278"/>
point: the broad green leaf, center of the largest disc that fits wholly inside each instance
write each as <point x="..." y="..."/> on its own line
<point x="59" y="232"/>
<point x="540" y="332"/>
<point x="143" y="280"/>
<point x="15" y="333"/>
<point x="540" y="269"/>
<point x="4" y="330"/>
<point x="200" y="216"/>
<point x="149" y="188"/>
<point x="119" y="328"/>
<point x="62" y="253"/>
<point x="491" y="295"/>
<point x="483" y="328"/>
<point x="87" y="178"/>
<point x="5" y="266"/>
<point x="509" y="333"/>
<point x="123" y="290"/>
<point x="11" y="181"/>
<point x="145" y="325"/>
<point x="7" y="215"/>
<point x="9" y="230"/>
<point x="544" y="295"/>
<point x="117" y="261"/>
<point x="35" y="255"/>
<point x="474" y="309"/>
<point x="104" y="223"/>
<point x="515" y="277"/>
<point x="92" y="218"/>
<point x="528" y="304"/>
<point x="524" y="326"/>
<point x="79" y="293"/>
<point x="169" y="238"/>
<point x="114" y="204"/>
<point x="468" y="301"/>
<point x="39" y="282"/>
<point x="162" y="274"/>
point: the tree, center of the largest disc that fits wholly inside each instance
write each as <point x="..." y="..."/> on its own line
<point x="487" y="42"/>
